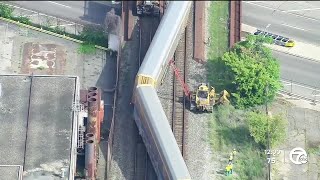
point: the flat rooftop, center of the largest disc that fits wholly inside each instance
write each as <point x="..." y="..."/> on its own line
<point x="36" y="126"/>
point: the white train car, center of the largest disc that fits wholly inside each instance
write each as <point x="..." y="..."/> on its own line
<point x="157" y="136"/>
<point x="164" y="43"/>
<point x="149" y="115"/>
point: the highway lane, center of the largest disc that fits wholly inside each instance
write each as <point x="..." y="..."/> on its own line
<point x="298" y="69"/>
<point x="62" y="9"/>
<point x="287" y="24"/>
<point x="77" y="11"/>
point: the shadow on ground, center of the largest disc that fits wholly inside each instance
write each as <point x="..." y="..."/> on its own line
<point x="217" y="76"/>
<point x="125" y="130"/>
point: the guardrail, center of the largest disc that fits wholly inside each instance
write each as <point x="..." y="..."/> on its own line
<point x="300" y="91"/>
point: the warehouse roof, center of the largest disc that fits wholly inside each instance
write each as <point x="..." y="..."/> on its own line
<point x="36" y="126"/>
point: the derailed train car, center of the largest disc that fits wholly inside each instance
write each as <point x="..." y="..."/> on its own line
<point x="157" y="136"/>
<point x="164" y="43"/>
<point x="149" y="115"/>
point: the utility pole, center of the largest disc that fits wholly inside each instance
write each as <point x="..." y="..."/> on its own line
<point x="268" y="135"/>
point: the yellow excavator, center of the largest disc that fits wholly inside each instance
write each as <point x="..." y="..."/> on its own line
<point x="204" y="98"/>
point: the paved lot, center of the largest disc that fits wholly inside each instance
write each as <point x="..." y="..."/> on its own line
<point x="24" y="51"/>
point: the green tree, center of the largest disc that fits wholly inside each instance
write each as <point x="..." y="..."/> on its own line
<point x="260" y="123"/>
<point x="250" y="68"/>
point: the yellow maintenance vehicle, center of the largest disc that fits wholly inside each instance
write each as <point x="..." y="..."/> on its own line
<point x="204" y="98"/>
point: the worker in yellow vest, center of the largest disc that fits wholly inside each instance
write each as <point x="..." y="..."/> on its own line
<point x="228" y="170"/>
<point x="230" y="167"/>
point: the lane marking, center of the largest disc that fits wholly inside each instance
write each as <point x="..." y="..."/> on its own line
<point x="273" y="9"/>
<point x="293" y="27"/>
<point x="59" y="4"/>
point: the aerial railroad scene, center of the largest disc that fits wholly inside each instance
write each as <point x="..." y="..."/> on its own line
<point x="159" y="90"/>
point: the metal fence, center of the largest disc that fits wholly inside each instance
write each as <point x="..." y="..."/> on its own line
<point x="47" y="20"/>
<point x="300" y="91"/>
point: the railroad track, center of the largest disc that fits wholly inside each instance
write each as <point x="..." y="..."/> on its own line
<point x="143" y="166"/>
<point x="235" y="13"/>
<point x="179" y="119"/>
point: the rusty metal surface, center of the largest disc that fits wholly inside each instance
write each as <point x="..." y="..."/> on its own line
<point x="199" y="35"/>
<point x="83" y="98"/>
<point x="90" y="156"/>
<point x="235" y="14"/>
<point x="91" y="148"/>
<point x="43" y="59"/>
<point x="232" y="17"/>
<point x="124" y="17"/>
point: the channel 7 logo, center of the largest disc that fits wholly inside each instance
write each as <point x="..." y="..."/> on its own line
<point x="298" y="156"/>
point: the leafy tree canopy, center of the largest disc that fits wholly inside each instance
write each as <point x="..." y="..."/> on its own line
<point x="253" y="72"/>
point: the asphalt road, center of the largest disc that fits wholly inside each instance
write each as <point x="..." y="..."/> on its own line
<point x="298" y="69"/>
<point x="76" y="11"/>
<point x="282" y="22"/>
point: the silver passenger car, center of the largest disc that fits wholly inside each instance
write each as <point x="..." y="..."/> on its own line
<point x="164" y="42"/>
<point x="157" y="136"/>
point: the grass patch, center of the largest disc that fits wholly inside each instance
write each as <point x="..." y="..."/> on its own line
<point x="86" y="49"/>
<point x="218" y="28"/>
<point x="219" y="43"/>
<point x="314" y="150"/>
<point x="228" y="130"/>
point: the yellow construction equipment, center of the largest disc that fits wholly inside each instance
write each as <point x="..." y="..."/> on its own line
<point x="205" y="97"/>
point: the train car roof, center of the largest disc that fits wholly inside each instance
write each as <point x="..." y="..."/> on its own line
<point x="165" y="39"/>
<point x="157" y="120"/>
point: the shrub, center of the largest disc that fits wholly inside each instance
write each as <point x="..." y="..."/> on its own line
<point x="6" y="11"/>
<point x="259" y="125"/>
